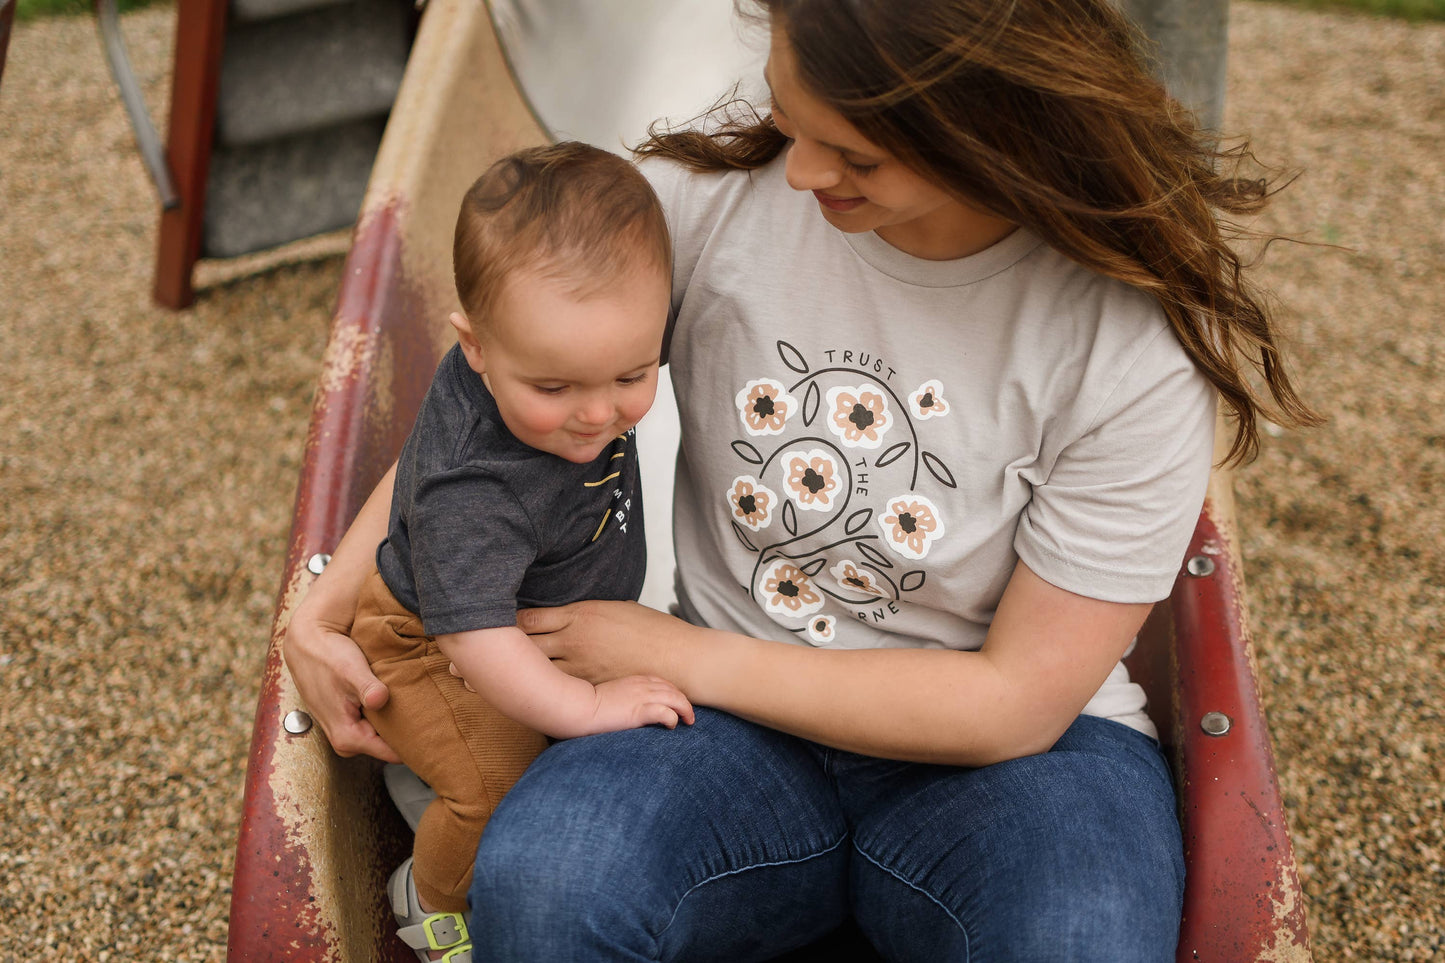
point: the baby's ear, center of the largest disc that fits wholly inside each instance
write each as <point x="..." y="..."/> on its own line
<point x="471" y="347"/>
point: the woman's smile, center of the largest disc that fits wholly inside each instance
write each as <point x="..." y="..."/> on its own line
<point x="839" y="204"/>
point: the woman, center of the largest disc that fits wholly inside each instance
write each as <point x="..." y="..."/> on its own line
<point x="949" y="328"/>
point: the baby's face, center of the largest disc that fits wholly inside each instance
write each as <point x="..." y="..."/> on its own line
<point x="570" y="374"/>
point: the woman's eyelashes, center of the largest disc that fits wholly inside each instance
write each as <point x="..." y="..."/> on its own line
<point x="780" y="119"/>
<point x="785" y="127"/>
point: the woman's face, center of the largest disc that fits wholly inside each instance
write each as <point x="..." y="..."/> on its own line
<point x="860" y="186"/>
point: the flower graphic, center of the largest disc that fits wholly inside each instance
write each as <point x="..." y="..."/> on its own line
<point x="785" y="590"/>
<point x="765" y="406"/>
<point x="850" y="576"/>
<point x="910" y="525"/>
<point x="928" y="401"/>
<point x="812" y="479"/>
<point x="821" y="628"/>
<point x="752" y="502"/>
<point x="859" y="416"/>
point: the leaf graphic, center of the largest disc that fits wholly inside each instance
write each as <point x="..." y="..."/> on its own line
<point x="874" y="556"/>
<point x="857" y="520"/>
<point x="814" y="567"/>
<point x="912" y="581"/>
<point x="892" y="454"/>
<point x="811" y="401"/>
<point x="742" y="535"/>
<point x="747" y="452"/>
<point x="792" y="358"/>
<point x="790" y="518"/>
<point x="938" y="469"/>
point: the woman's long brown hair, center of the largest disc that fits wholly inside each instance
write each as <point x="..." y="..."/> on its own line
<point x="1042" y="112"/>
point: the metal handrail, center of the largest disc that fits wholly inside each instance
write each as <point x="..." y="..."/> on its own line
<point x="146" y="138"/>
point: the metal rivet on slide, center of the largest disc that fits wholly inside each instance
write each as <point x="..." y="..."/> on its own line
<point x="1200" y="566"/>
<point x="1216" y="723"/>
<point x="317" y="563"/>
<point x="296" y="722"/>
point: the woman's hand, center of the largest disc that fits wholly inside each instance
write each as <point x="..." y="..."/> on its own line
<point x="330" y="671"/>
<point x="602" y="641"/>
<point x="334" y="680"/>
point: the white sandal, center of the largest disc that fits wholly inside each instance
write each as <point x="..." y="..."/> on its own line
<point x="423" y="931"/>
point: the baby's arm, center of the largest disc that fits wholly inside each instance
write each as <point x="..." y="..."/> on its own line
<point x="507" y="669"/>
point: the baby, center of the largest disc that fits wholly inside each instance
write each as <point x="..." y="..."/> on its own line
<point x="517" y="487"/>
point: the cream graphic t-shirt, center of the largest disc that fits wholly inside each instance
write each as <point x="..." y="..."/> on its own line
<point x="870" y="441"/>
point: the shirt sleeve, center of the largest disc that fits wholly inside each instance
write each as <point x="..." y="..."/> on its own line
<point x="693" y="203"/>
<point x="1114" y="517"/>
<point x="471" y="546"/>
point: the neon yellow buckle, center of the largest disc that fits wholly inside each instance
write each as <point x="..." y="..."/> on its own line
<point x="444" y="931"/>
<point x="465" y="950"/>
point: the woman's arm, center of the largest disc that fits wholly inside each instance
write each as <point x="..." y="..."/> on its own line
<point x="329" y="669"/>
<point x="1046" y="654"/>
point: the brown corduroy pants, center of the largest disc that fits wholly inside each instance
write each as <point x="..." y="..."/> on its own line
<point x="463" y="748"/>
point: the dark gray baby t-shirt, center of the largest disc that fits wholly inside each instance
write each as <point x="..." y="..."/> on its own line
<point x="482" y="525"/>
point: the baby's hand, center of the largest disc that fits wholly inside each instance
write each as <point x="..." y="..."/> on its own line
<point x="639" y="700"/>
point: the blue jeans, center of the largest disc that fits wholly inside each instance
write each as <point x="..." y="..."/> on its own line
<point x="728" y="841"/>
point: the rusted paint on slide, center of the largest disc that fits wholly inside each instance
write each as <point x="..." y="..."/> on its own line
<point x="318" y="838"/>
<point x="1242" y="893"/>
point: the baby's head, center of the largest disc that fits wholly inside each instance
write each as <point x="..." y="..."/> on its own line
<point x="563" y="267"/>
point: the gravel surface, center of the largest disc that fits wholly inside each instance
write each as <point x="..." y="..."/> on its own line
<point x="148" y="462"/>
<point x="1344" y="527"/>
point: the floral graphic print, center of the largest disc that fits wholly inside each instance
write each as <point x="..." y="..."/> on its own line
<point x="821" y="628"/>
<point x="834" y="480"/>
<point x="850" y="576"/>
<point x="927" y="402"/>
<point x="859" y="415"/>
<point x="765" y="406"/>
<point x="752" y="502"/>
<point x="910" y="525"/>
<point x="785" y="590"/>
<point x="812" y="479"/>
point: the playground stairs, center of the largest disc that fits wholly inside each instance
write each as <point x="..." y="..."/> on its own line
<point x="278" y="111"/>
